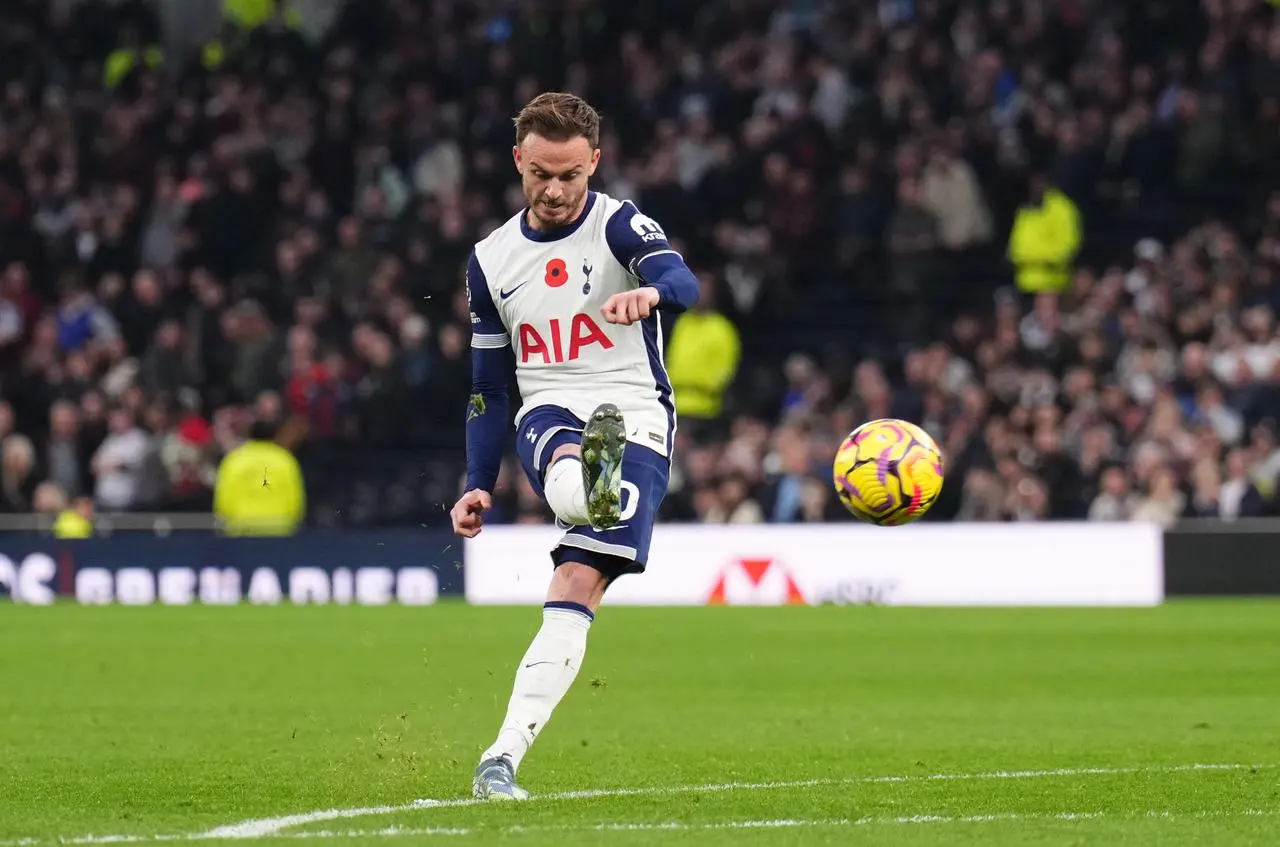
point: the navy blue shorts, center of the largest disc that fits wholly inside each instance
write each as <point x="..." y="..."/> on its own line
<point x="624" y="547"/>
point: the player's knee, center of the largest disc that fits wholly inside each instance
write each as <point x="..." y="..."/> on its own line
<point x="574" y="582"/>
<point x="565" y="450"/>
<point x="564" y="492"/>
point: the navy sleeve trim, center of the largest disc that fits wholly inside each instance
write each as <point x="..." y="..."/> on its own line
<point x="635" y="263"/>
<point x="487" y="418"/>
<point x="632" y="236"/>
<point x="487" y="328"/>
<point x="639" y="244"/>
<point x="677" y="286"/>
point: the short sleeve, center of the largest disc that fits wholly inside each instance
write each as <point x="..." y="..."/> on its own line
<point x="634" y="237"/>
<point x="487" y="330"/>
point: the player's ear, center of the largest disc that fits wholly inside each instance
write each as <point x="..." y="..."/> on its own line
<point x="515" y="154"/>
<point x="595" y="161"/>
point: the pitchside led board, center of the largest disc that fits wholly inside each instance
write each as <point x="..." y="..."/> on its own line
<point x="135" y="568"/>
<point x="924" y="565"/>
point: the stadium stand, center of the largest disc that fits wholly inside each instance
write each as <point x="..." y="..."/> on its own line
<point x="1047" y="231"/>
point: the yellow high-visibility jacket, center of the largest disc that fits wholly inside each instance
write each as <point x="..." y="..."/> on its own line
<point x="702" y="359"/>
<point x="259" y="491"/>
<point x="1044" y="243"/>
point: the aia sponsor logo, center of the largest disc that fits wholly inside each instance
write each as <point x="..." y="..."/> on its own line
<point x="756" y="582"/>
<point x="555" y="343"/>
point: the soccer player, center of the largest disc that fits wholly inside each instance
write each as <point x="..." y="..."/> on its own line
<point x="572" y="284"/>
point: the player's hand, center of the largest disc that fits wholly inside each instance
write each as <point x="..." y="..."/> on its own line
<point x="631" y="306"/>
<point x="468" y="512"/>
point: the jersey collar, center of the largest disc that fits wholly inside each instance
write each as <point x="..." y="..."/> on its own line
<point x="555" y="234"/>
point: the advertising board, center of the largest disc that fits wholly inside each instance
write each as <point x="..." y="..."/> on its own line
<point x="360" y="568"/>
<point x="1059" y="564"/>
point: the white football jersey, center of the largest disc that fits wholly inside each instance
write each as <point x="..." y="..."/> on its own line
<point x="542" y="293"/>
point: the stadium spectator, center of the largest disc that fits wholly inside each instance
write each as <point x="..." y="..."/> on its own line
<point x="82" y="319"/>
<point x="702" y="357"/>
<point x="272" y="474"/>
<point x="1236" y="489"/>
<point x="915" y="240"/>
<point x="18" y="479"/>
<point x="12" y="323"/>
<point x="1164" y="503"/>
<point x="7" y="420"/>
<point x="1045" y="238"/>
<point x="730" y="502"/>
<point x="287" y="215"/>
<point x="949" y="190"/>
<point x="66" y="455"/>
<point x="118" y="464"/>
<point x="74" y="521"/>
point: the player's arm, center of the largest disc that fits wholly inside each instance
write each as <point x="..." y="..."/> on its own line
<point x="487" y="410"/>
<point x="640" y="246"/>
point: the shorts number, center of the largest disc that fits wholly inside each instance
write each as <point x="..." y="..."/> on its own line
<point x="630" y="496"/>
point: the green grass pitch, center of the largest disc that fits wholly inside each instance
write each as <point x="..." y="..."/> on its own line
<point x="879" y="726"/>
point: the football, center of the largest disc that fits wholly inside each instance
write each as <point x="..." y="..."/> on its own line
<point x="888" y="472"/>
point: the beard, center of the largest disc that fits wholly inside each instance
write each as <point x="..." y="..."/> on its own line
<point x="557" y="214"/>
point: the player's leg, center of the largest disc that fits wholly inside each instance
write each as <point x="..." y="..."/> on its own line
<point x="548" y="447"/>
<point x="587" y="561"/>
<point x="544" y="675"/>
<point x="583" y="481"/>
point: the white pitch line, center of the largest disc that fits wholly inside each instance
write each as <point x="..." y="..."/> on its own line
<point x="258" y="827"/>
<point x="274" y="827"/>
<point x="268" y="826"/>
<point x="681" y="826"/>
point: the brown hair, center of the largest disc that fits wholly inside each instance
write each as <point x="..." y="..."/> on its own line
<point x="558" y="116"/>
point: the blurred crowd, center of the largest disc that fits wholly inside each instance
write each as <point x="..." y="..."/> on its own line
<point x="1047" y="230"/>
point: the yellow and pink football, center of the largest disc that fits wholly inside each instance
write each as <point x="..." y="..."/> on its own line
<point x="888" y="472"/>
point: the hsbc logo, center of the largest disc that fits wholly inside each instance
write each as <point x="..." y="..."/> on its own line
<point x="756" y="582"/>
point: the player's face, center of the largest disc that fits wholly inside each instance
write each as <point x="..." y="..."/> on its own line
<point x="554" y="175"/>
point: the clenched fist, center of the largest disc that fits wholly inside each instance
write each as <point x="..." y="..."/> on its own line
<point x="631" y="306"/>
<point x="468" y="512"/>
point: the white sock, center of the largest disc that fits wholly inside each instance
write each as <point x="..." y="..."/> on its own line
<point x="565" y="494"/>
<point x="544" y="675"/>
